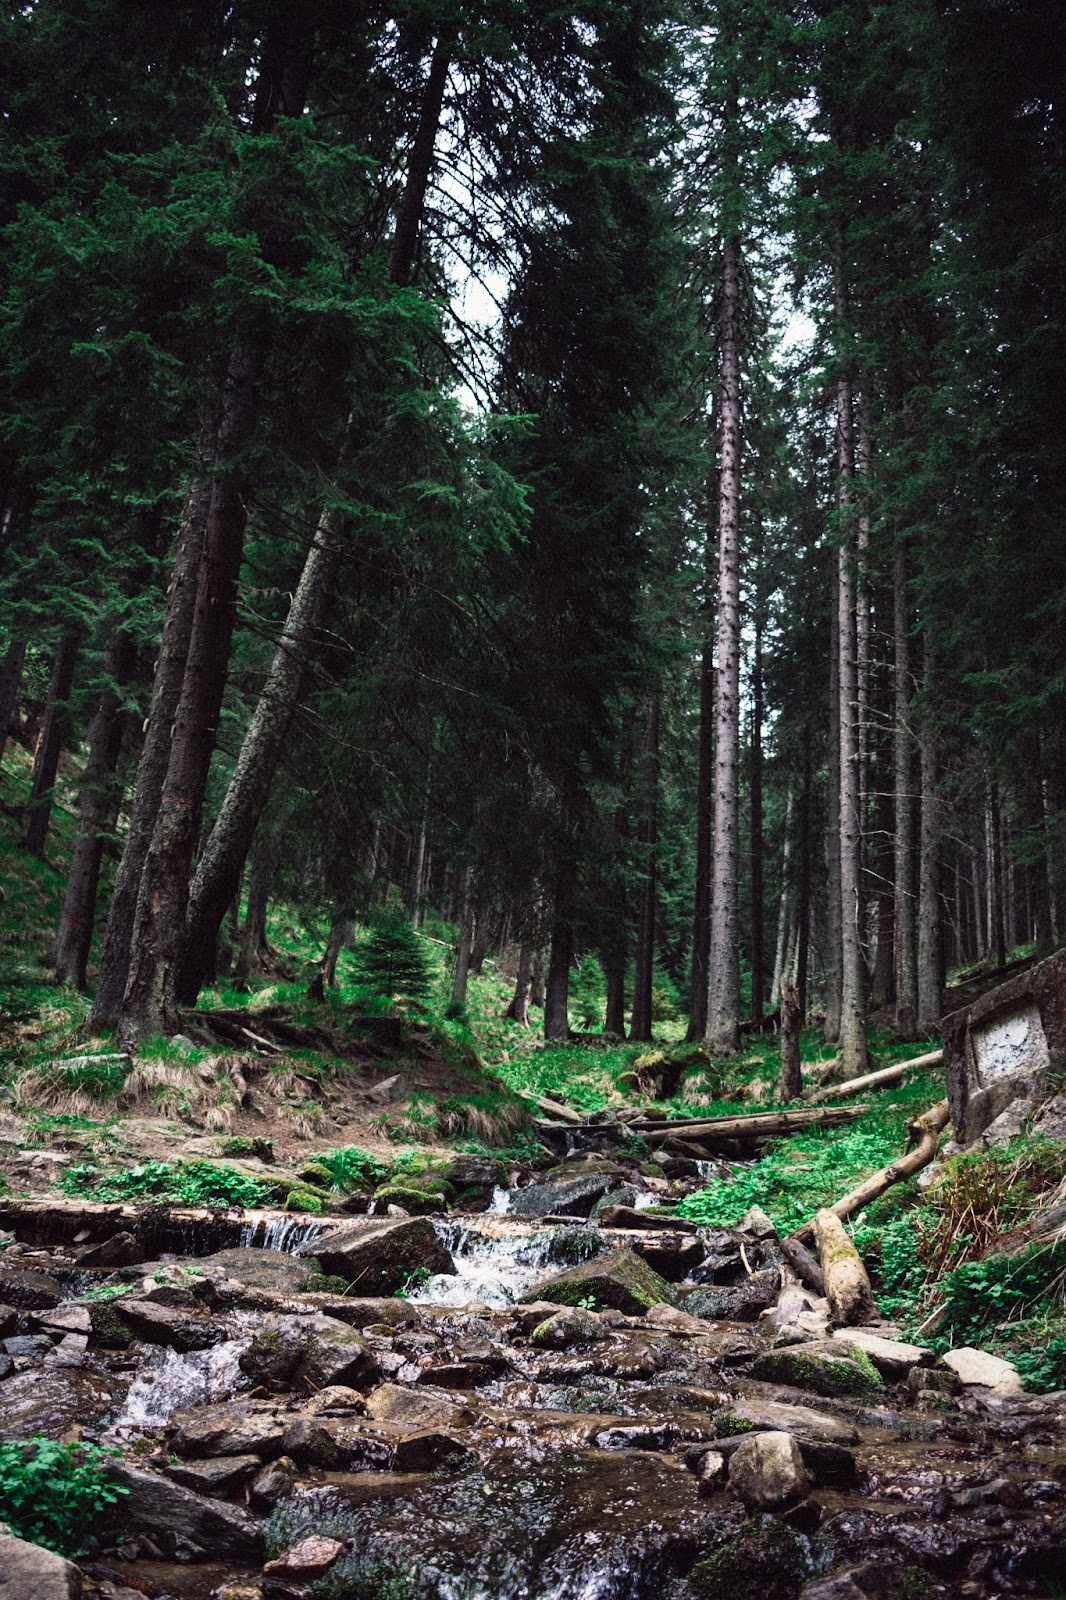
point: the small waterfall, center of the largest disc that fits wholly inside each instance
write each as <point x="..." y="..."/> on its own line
<point x="495" y="1265"/>
<point x="172" y="1380"/>
<point x="278" y="1230"/>
<point x="707" y="1170"/>
<point x="501" y="1201"/>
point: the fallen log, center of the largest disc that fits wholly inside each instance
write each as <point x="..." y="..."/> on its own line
<point x="925" y="1134"/>
<point x="756" y="1125"/>
<point x="847" y="1286"/>
<point x="872" y="1080"/>
<point x="803" y="1265"/>
<point x="551" y="1108"/>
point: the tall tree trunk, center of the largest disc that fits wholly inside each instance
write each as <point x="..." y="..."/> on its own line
<point x="249" y="788"/>
<point x="54" y="729"/>
<point x="791" y="1027"/>
<point x="10" y="680"/>
<point x="884" y="875"/>
<point x="784" y="905"/>
<point x="701" y="915"/>
<point x="159" y="928"/>
<point x="758" y="963"/>
<point x="804" y="906"/>
<point x="518" y="1010"/>
<point x="466" y="939"/>
<point x="538" y="982"/>
<point x="168" y="677"/>
<point x="341" y="933"/>
<point x="723" y="991"/>
<point x="641" y="1019"/>
<point x="863" y="463"/>
<point x="254" y="932"/>
<point x="833" y="938"/>
<point x="557" y="988"/>
<point x="906" y="954"/>
<point x="98" y="804"/>
<point x="996" y="934"/>
<point x="930" y="944"/>
<point x="853" y="1053"/>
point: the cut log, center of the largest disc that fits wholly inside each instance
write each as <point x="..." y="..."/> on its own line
<point x="551" y="1108"/>
<point x="757" y="1125"/>
<point x="872" y="1080"/>
<point x="803" y="1265"/>
<point x="847" y="1287"/>
<point x="925" y="1134"/>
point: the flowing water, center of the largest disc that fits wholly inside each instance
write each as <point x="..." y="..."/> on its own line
<point x="170" y="1380"/>
<point x="495" y="1264"/>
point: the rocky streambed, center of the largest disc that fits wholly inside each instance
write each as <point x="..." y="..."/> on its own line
<point x="553" y="1407"/>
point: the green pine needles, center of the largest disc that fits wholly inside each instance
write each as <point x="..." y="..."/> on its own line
<point x="393" y="961"/>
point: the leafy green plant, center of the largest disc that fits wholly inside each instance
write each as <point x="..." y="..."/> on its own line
<point x="50" y="1493"/>
<point x="350" y="1167"/>
<point x="194" y="1183"/>
<point x="413" y="1281"/>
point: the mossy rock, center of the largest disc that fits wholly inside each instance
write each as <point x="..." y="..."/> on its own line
<point x="110" y="1330"/>
<point x="308" y="1201"/>
<point x="727" y="1426"/>
<point x="762" y="1560"/>
<point x="820" y="1371"/>
<point x="419" y="1202"/>
<point x="619" y="1281"/>
<point x="325" y="1283"/>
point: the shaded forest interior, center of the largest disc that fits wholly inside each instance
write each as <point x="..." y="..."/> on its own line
<point x="588" y="483"/>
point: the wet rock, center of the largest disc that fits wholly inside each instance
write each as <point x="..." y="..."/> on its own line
<point x="979" y="1369"/>
<point x="31" y="1346"/>
<point x="9" y="1320"/>
<point x="50" y="1400"/>
<point x="336" y="1399"/>
<point x="29" y="1290"/>
<point x="742" y="1302"/>
<point x="121" y="1250"/>
<point x="572" y="1327"/>
<point x="673" y="1255"/>
<point x="766" y="1472"/>
<point x="822" y="1371"/>
<point x="311" y="1444"/>
<point x="309" y="1353"/>
<point x="362" y="1314"/>
<point x="7" y="1366"/>
<point x="310" y="1559"/>
<point x="803" y="1421"/>
<point x="29" y="1572"/>
<point x="380" y="1256"/>
<point x="215" y="1475"/>
<point x="64" y="1319"/>
<point x="570" y="1197"/>
<point x="524" y="1318"/>
<point x="430" y="1449"/>
<point x="674" y="1320"/>
<point x="109" y="1329"/>
<point x="893" y="1359"/>
<point x="230" y="1428"/>
<point x="163" y="1324"/>
<point x="277" y="1270"/>
<point x="937" y="1380"/>
<point x="712" y="1470"/>
<point x="620" y="1279"/>
<point x="762" y="1559"/>
<point x="843" y="1585"/>
<point x="392" y="1403"/>
<point x="155" y="1503"/>
<point x="619" y="1216"/>
<point x="274" y="1482"/>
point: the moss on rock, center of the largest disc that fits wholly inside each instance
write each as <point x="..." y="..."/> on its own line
<point x="619" y="1281"/>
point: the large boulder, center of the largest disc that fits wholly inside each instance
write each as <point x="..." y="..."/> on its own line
<point x="163" y="1324"/>
<point x="380" y="1255"/>
<point x="158" y="1506"/>
<point x="892" y="1358"/>
<point x="977" y="1369"/>
<point x="803" y="1421"/>
<point x="276" y="1270"/>
<point x="741" y="1302"/>
<point x="50" y="1400"/>
<point x="309" y="1353"/>
<point x="229" y="1428"/>
<point x="29" y="1290"/>
<point x="28" y="1572"/>
<point x="619" y="1280"/>
<point x="766" y="1472"/>
<point x="570" y="1197"/>
<point x="831" y="1370"/>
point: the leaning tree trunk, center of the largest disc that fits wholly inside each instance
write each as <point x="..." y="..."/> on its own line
<point x="723" y="990"/>
<point x="98" y="805"/>
<point x="50" y="744"/>
<point x="219" y="869"/>
<point x="10" y="679"/>
<point x="930" y="961"/>
<point x="169" y="675"/>
<point x="701" y="914"/>
<point x="159" y="928"/>
<point x="904" y="923"/>
<point x="832" y="837"/>
<point x="340" y="934"/>
<point x="641" y="1019"/>
<point x="853" y="1054"/>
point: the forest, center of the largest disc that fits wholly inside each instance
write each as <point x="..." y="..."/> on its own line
<point x="533" y="610"/>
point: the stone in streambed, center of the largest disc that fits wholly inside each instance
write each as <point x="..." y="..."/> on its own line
<point x="274" y="1482"/>
<point x="163" y="1324"/>
<point x="230" y="1428"/>
<point x="979" y="1369"/>
<point x="803" y="1421"/>
<point x="393" y="1403"/>
<point x="572" y="1327"/>
<point x="310" y="1559"/>
<point x="892" y="1358"/>
<point x="742" y="1302"/>
<point x="380" y="1256"/>
<point x="215" y="1475"/>
<point x="29" y="1290"/>
<point x="155" y="1503"/>
<point x="29" y="1572"/>
<point x="277" y="1270"/>
<point x="570" y="1197"/>
<point x="766" y="1472"/>
<point x="836" y="1371"/>
<point x="50" y="1400"/>
<point x="620" y="1280"/>
<point x="309" y="1353"/>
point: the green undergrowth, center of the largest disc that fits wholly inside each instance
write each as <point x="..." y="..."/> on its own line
<point x="191" y="1183"/>
<point x="51" y="1494"/>
<point x="802" y="1172"/>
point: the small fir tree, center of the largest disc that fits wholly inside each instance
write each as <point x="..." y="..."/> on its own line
<point x="393" y="962"/>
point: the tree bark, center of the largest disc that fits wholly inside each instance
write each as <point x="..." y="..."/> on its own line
<point x="847" y="1286"/>
<point x="791" y="1026"/>
<point x="722" y="1036"/>
<point x="904" y="918"/>
<point x="557" y="989"/>
<point x="54" y="730"/>
<point x="10" y="681"/>
<point x="155" y="752"/>
<point x="641" y="1018"/>
<point x="853" y="1056"/>
<point x="98" y="804"/>
<point x="784" y="903"/>
<point x="466" y="939"/>
<point x="254" y="931"/>
<point x="930" y="944"/>
<point x="538" y="986"/>
<point x="340" y="934"/>
<point x="758" y="963"/>
<point x="997" y="942"/>
<point x="804" y="904"/>
<point x="518" y="1010"/>
<point x="701" y="915"/>
<point x="158" y="938"/>
<point x="831" y="1031"/>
